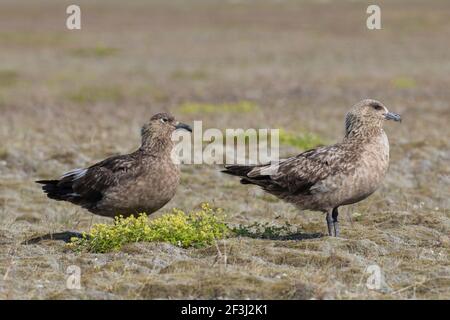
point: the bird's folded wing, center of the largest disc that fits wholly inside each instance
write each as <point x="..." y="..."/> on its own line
<point x="102" y="176"/>
<point x="301" y="173"/>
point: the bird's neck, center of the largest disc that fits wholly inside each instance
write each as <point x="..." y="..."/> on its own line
<point x="363" y="132"/>
<point x="156" y="145"/>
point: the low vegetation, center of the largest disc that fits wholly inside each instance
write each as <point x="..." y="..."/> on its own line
<point x="194" y="229"/>
<point x="267" y="230"/>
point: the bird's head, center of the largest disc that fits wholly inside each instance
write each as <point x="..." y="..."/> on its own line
<point x="367" y="116"/>
<point x="160" y="128"/>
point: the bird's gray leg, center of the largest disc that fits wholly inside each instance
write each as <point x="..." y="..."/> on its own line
<point x="330" y="223"/>
<point x="334" y="215"/>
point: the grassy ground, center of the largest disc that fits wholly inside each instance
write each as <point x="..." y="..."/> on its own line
<point x="70" y="98"/>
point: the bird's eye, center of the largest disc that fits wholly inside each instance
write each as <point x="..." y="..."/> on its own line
<point x="163" y="120"/>
<point x="377" y="107"/>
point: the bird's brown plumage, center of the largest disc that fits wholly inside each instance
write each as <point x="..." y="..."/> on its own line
<point x="325" y="178"/>
<point x="142" y="181"/>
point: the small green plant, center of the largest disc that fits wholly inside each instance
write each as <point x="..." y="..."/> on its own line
<point x="194" y="229"/>
<point x="266" y="231"/>
<point x="238" y="107"/>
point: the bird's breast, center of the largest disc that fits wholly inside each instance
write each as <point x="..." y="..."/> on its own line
<point x="146" y="192"/>
<point x="369" y="171"/>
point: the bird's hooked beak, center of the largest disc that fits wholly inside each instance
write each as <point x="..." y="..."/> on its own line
<point x="392" y="116"/>
<point x="180" y="125"/>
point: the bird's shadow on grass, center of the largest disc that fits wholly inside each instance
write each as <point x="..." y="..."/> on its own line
<point x="65" y="236"/>
<point x="254" y="231"/>
<point x="293" y="236"/>
<point x="270" y="232"/>
<point x="299" y="236"/>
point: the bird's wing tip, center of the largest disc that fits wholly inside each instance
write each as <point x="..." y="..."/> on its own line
<point x="44" y="181"/>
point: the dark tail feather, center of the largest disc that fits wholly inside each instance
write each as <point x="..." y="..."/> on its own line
<point x="238" y="170"/>
<point x="47" y="181"/>
<point x="242" y="171"/>
<point x="56" y="191"/>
